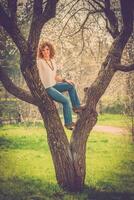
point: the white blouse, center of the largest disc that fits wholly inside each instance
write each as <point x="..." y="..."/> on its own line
<point x="47" y="75"/>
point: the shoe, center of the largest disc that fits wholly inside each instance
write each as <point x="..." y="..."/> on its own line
<point x="70" y="126"/>
<point x="78" y="109"/>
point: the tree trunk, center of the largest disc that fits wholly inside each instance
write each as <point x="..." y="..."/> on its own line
<point x="69" y="159"/>
<point x="68" y="177"/>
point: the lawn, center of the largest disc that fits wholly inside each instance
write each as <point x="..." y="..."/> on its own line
<point x="27" y="173"/>
<point x="116" y="120"/>
<point x="113" y="120"/>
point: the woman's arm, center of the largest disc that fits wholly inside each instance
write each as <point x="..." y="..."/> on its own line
<point x="58" y="78"/>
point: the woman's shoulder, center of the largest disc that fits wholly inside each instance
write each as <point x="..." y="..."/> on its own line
<point x="39" y="59"/>
<point x="53" y="60"/>
<point x="39" y="63"/>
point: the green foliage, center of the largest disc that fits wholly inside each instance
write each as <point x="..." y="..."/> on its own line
<point x="115" y="107"/>
<point x="27" y="173"/>
<point x="9" y="110"/>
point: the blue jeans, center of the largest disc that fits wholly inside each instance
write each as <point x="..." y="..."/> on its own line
<point x="55" y="93"/>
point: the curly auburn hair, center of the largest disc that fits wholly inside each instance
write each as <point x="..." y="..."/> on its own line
<point x="42" y="45"/>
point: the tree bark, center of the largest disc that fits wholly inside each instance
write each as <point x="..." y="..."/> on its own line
<point x="60" y="150"/>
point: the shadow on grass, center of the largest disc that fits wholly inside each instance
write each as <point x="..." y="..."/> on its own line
<point x="22" y="124"/>
<point x="4" y="142"/>
<point x="27" y="188"/>
<point x="104" y="195"/>
<point x="23" y="142"/>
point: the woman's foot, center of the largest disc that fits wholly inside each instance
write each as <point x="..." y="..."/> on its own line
<point x="78" y="109"/>
<point x="70" y="126"/>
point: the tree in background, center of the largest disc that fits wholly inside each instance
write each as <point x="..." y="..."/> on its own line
<point x="129" y="101"/>
<point x="68" y="157"/>
<point x="129" y="111"/>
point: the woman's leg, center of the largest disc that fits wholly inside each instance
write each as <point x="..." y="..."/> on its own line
<point x="57" y="96"/>
<point x="62" y="87"/>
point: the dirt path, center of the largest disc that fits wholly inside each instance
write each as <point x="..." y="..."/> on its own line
<point x="110" y="129"/>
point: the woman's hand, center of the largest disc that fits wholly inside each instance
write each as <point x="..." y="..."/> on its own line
<point x="68" y="81"/>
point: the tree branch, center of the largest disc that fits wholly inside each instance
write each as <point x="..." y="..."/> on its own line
<point x="12" y="29"/>
<point x="36" y="26"/>
<point x="50" y="10"/>
<point x="14" y="90"/>
<point x="70" y="19"/>
<point x="112" y="27"/>
<point x="98" y="3"/>
<point x="37" y="8"/>
<point x="12" y="5"/>
<point x="40" y="17"/>
<point x="113" y="21"/>
<point x="127" y="12"/>
<point x="69" y="10"/>
<point x="124" y="68"/>
<point x="68" y="4"/>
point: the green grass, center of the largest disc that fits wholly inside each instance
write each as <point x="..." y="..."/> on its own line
<point x="116" y="120"/>
<point x="112" y="120"/>
<point x="27" y="172"/>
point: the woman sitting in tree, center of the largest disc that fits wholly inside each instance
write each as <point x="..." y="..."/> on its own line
<point x="55" y="84"/>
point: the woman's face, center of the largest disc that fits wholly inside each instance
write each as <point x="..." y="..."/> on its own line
<point x="46" y="52"/>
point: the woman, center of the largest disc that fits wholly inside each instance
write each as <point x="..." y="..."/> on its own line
<point x="55" y="84"/>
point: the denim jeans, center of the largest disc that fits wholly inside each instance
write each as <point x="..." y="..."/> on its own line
<point x="55" y="93"/>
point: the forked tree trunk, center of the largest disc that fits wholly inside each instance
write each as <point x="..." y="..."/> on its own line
<point x="70" y="166"/>
<point x="69" y="163"/>
<point x="61" y="153"/>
